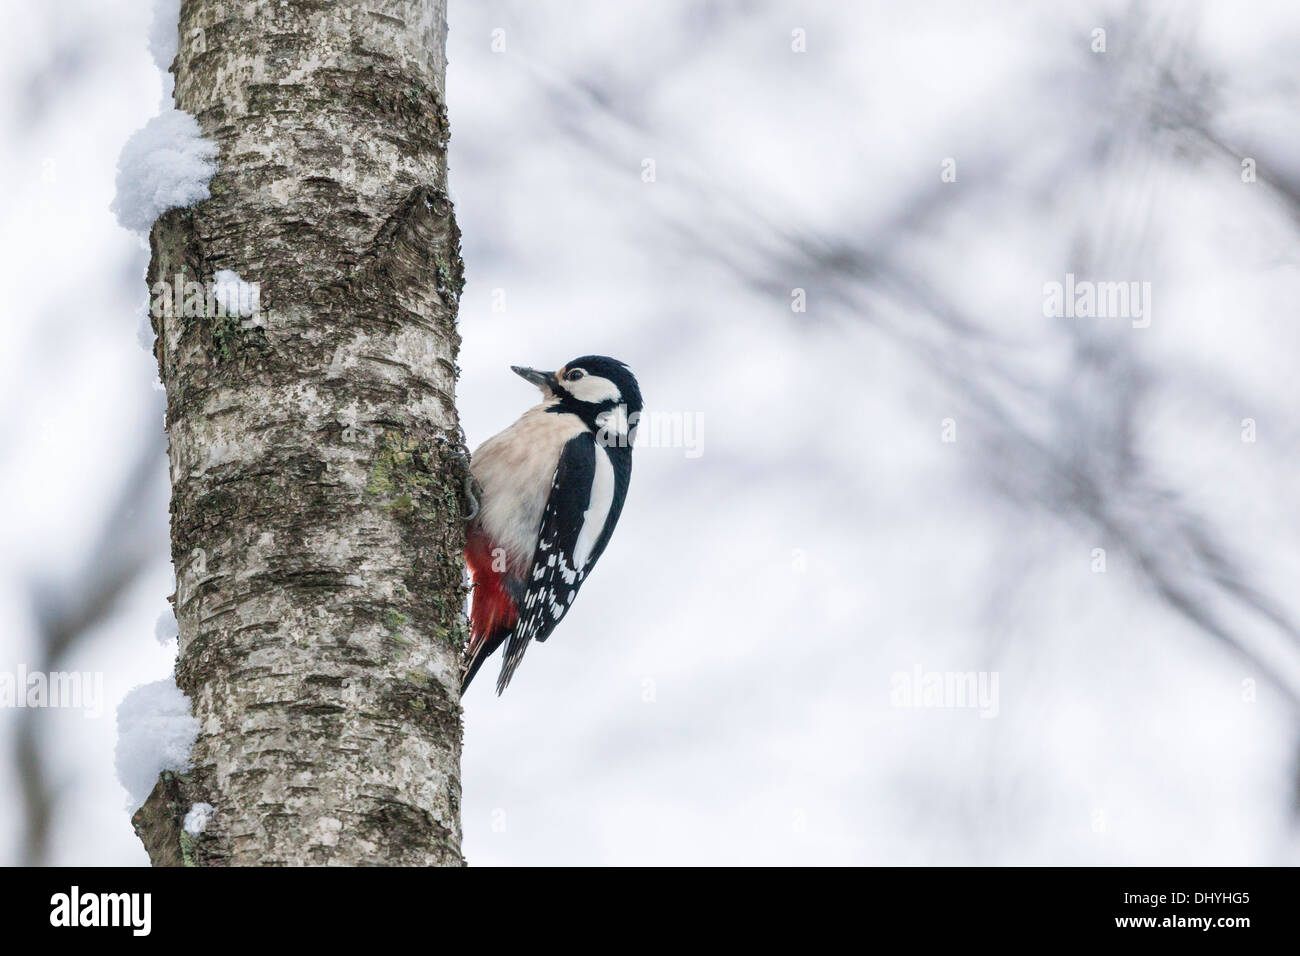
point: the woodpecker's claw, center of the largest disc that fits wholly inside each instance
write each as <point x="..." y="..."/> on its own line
<point x="470" y="486"/>
<point x="473" y="490"/>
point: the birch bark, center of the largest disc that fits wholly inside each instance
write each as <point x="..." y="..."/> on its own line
<point x="316" y="483"/>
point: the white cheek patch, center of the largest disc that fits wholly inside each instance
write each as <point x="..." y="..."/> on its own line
<point x="593" y="389"/>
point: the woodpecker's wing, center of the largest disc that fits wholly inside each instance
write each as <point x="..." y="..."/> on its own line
<point x="559" y="563"/>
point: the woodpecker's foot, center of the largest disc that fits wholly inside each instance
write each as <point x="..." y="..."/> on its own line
<point x="473" y="490"/>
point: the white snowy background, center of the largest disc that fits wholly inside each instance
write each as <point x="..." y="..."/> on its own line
<point x="721" y="693"/>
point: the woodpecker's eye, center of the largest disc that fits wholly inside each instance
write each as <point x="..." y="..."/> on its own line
<point x="573" y="374"/>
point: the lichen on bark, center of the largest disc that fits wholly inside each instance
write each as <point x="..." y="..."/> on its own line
<point x="316" y="456"/>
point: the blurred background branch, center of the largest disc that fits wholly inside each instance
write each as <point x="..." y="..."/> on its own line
<point x="66" y="611"/>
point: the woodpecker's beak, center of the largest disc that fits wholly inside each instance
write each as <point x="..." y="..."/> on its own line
<point x="543" y="380"/>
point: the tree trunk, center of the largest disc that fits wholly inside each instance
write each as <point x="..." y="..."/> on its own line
<point x="315" y="454"/>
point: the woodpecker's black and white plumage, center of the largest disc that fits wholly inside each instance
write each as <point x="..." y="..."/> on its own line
<point x="552" y="487"/>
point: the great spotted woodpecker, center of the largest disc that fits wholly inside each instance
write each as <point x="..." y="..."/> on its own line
<point x="552" y="488"/>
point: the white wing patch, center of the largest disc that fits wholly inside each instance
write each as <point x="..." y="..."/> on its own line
<point x="597" y="513"/>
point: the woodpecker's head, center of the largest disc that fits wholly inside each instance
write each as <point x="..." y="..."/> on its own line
<point x="600" y="390"/>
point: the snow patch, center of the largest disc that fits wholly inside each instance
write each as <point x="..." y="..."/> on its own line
<point x="155" y="732"/>
<point x="196" y="821"/>
<point x="164" y="32"/>
<point x="165" y="628"/>
<point x="235" y="295"/>
<point x="165" y="165"/>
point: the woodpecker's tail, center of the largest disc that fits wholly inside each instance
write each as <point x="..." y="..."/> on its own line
<point x="513" y="656"/>
<point x="474" y="658"/>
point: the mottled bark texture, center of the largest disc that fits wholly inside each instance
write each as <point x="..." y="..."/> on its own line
<point x="315" y="455"/>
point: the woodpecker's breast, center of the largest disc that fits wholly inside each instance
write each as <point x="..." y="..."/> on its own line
<point x="514" y="469"/>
